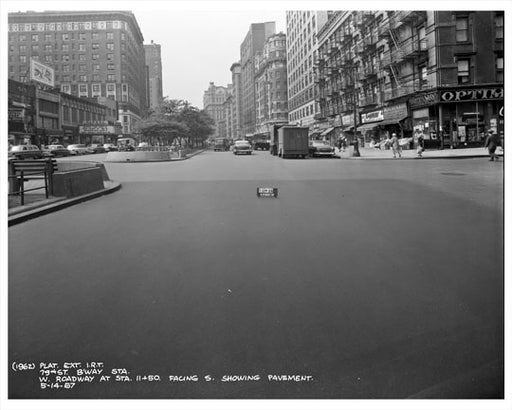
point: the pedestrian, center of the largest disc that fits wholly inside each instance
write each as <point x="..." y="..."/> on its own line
<point x="491" y="143"/>
<point x="421" y="144"/>
<point x="340" y="144"/>
<point x="395" y="146"/>
<point x="343" y="143"/>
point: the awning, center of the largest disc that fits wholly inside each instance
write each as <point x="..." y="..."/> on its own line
<point x="366" y="127"/>
<point x="327" y="131"/>
<point x="395" y="121"/>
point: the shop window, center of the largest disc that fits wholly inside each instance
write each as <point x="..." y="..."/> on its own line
<point x="462" y="29"/>
<point x="498" y="24"/>
<point x="499" y="69"/>
<point x="463" y="71"/>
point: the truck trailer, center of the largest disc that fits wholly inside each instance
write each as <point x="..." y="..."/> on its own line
<point x="293" y="141"/>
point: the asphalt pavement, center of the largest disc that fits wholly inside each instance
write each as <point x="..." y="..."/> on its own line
<point x="361" y="280"/>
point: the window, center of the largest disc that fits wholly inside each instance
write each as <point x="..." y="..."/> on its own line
<point x="111" y="77"/>
<point x="110" y="36"/>
<point x="463" y="71"/>
<point x="23" y="59"/>
<point x="65" y="47"/>
<point x="96" y="88"/>
<point x="23" y="37"/>
<point x="82" y="57"/>
<point x="81" y="36"/>
<point x="82" y="67"/>
<point x="35" y="37"/>
<point x="23" y="49"/>
<point x="66" y="78"/>
<point x="110" y="56"/>
<point x="95" y="77"/>
<point x="81" y="47"/>
<point x="48" y="48"/>
<point x="65" y="68"/>
<point x="95" y="36"/>
<point x="499" y="69"/>
<point x="82" y="78"/>
<point x="110" y="46"/>
<point x="83" y="88"/>
<point x="95" y="67"/>
<point x="462" y="29"/>
<point x="65" y="37"/>
<point x="23" y="78"/>
<point x="35" y="48"/>
<point x="47" y="37"/>
<point x="123" y="36"/>
<point x="111" y="66"/>
<point x="95" y="56"/>
<point x="498" y="22"/>
<point x="48" y="59"/>
<point x="111" y="87"/>
<point x="65" y="57"/>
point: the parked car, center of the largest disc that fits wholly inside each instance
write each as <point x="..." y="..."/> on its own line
<point x="56" y="150"/>
<point x="321" y="149"/>
<point x="110" y="147"/>
<point x="97" y="148"/>
<point x="263" y="145"/>
<point x="242" y="147"/>
<point x="25" y="151"/>
<point x="78" y="149"/>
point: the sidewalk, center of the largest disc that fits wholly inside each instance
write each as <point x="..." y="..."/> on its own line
<point x="372" y="153"/>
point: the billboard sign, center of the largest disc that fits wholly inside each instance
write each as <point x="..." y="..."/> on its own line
<point x="42" y="73"/>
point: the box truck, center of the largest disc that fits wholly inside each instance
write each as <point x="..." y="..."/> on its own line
<point x="293" y="141"/>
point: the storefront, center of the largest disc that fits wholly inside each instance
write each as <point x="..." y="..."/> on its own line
<point x="396" y="120"/>
<point x="457" y="117"/>
<point x="98" y="133"/>
<point x="369" y="128"/>
<point x="21" y="113"/>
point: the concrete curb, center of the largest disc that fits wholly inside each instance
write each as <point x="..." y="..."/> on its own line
<point x="415" y="158"/>
<point x="19" y="217"/>
<point x="187" y="156"/>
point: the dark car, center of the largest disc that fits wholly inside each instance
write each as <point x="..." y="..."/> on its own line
<point x="25" y="151"/>
<point x="321" y="149"/>
<point x="56" y="150"/>
<point x="97" y="148"/>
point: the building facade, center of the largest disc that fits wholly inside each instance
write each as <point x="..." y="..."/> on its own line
<point x="154" y="63"/>
<point x="252" y="44"/>
<point x="400" y="71"/>
<point x="271" y="84"/>
<point x="93" y="53"/>
<point x="213" y="104"/>
<point x="236" y="100"/>
<point x="302" y="28"/>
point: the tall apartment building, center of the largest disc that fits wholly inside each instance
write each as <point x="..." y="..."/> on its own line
<point x="93" y="53"/>
<point x="399" y="71"/>
<point x="154" y="63"/>
<point x="271" y="84"/>
<point x="252" y="44"/>
<point x="302" y="28"/>
<point x="213" y="103"/>
<point x="236" y="100"/>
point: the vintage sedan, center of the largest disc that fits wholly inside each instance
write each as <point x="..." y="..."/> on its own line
<point x="321" y="149"/>
<point x="242" y="147"/>
<point x="25" y="151"/>
<point x="56" y="150"/>
<point x="79" y="149"/>
<point x="97" y="148"/>
<point x="110" y="147"/>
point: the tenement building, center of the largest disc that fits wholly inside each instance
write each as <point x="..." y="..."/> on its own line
<point x="93" y="53"/>
<point x="302" y="28"/>
<point x="271" y="84"/>
<point x="440" y="72"/>
<point x="214" y="99"/>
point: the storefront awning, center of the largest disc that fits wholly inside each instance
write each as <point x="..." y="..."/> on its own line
<point x="395" y="121"/>
<point x="366" y="127"/>
<point x="327" y="131"/>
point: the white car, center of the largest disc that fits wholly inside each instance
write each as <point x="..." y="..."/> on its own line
<point x="78" y="149"/>
<point x="110" y="147"/>
<point x="242" y="147"/>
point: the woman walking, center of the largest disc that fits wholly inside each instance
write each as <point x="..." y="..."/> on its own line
<point x="491" y="143"/>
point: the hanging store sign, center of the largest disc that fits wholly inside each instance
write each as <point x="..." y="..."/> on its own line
<point x="395" y="112"/>
<point x="347" y="120"/>
<point x="475" y="94"/>
<point x="372" y="116"/>
<point x="16" y="114"/>
<point x="97" y="129"/>
<point x="423" y="100"/>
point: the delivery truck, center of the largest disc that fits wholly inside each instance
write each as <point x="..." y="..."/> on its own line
<point x="293" y="141"/>
<point x="274" y="138"/>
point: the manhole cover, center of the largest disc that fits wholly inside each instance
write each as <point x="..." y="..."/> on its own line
<point x="452" y="173"/>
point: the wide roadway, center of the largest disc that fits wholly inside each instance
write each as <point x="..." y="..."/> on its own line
<point x="371" y="279"/>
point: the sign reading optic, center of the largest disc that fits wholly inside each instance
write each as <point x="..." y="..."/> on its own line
<point x="267" y="192"/>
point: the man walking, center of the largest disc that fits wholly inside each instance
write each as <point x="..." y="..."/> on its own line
<point x="395" y="146"/>
<point x="491" y="143"/>
<point x="421" y="144"/>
